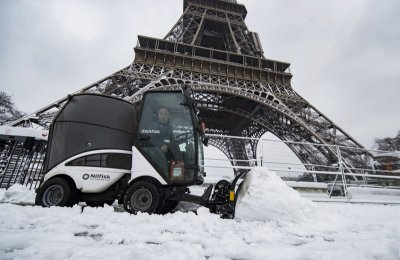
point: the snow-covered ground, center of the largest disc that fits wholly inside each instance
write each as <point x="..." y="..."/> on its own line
<point x="273" y="222"/>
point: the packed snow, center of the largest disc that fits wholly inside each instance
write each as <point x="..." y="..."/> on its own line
<point x="17" y="194"/>
<point x="272" y="222"/>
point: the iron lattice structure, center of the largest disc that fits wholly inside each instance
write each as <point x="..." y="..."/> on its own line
<point x="238" y="90"/>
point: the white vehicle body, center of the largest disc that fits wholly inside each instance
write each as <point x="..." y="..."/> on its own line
<point x="89" y="179"/>
<point x="98" y="179"/>
<point x="142" y="168"/>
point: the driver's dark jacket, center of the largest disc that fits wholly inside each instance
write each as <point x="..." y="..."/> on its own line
<point x="160" y="133"/>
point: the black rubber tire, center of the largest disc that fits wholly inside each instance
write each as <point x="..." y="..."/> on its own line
<point x="141" y="196"/>
<point x="56" y="192"/>
<point x="167" y="206"/>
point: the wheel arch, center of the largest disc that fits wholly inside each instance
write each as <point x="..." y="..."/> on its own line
<point x="146" y="178"/>
<point x="69" y="179"/>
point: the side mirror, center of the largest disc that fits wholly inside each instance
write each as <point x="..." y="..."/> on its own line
<point x="202" y="127"/>
<point x="205" y="140"/>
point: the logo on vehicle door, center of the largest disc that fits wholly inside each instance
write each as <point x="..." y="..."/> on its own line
<point x="96" y="177"/>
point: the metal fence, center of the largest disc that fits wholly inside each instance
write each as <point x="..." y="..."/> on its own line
<point x="357" y="175"/>
<point x="21" y="161"/>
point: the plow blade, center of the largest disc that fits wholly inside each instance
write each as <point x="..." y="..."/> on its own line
<point x="227" y="194"/>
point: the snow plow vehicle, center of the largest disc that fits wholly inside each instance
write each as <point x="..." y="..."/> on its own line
<point x="102" y="149"/>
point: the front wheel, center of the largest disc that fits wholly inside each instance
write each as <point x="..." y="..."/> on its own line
<point x="55" y="192"/>
<point x="141" y="196"/>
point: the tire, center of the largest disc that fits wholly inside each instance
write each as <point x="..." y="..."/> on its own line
<point x="56" y="192"/>
<point x="167" y="207"/>
<point x="141" y="196"/>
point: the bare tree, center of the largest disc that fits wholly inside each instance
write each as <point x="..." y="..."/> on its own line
<point x="388" y="143"/>
<point x="8" y="111"/>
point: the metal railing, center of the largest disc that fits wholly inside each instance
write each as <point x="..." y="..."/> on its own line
<point x="21" y="163"/>
<point x="378" y="171"/>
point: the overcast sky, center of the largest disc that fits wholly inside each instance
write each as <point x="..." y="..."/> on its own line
<point x="345" y="55"/>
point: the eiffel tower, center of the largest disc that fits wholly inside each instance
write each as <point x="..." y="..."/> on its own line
<point x="239" y="91"/>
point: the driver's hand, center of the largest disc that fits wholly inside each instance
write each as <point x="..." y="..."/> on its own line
<point x="164" y="148"/>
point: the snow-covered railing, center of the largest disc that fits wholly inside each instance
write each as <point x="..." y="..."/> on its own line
<point x="347" y="167"/>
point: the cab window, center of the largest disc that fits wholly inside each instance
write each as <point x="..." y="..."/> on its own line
<point x="105" y="160"/>
<point x="166" y="135"/>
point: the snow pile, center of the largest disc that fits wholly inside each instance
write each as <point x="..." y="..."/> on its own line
<point x="268" y="198"/>
<point x="17" y="194"/>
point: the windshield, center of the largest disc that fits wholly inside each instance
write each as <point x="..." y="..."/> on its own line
<point x="167" y="135"/>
